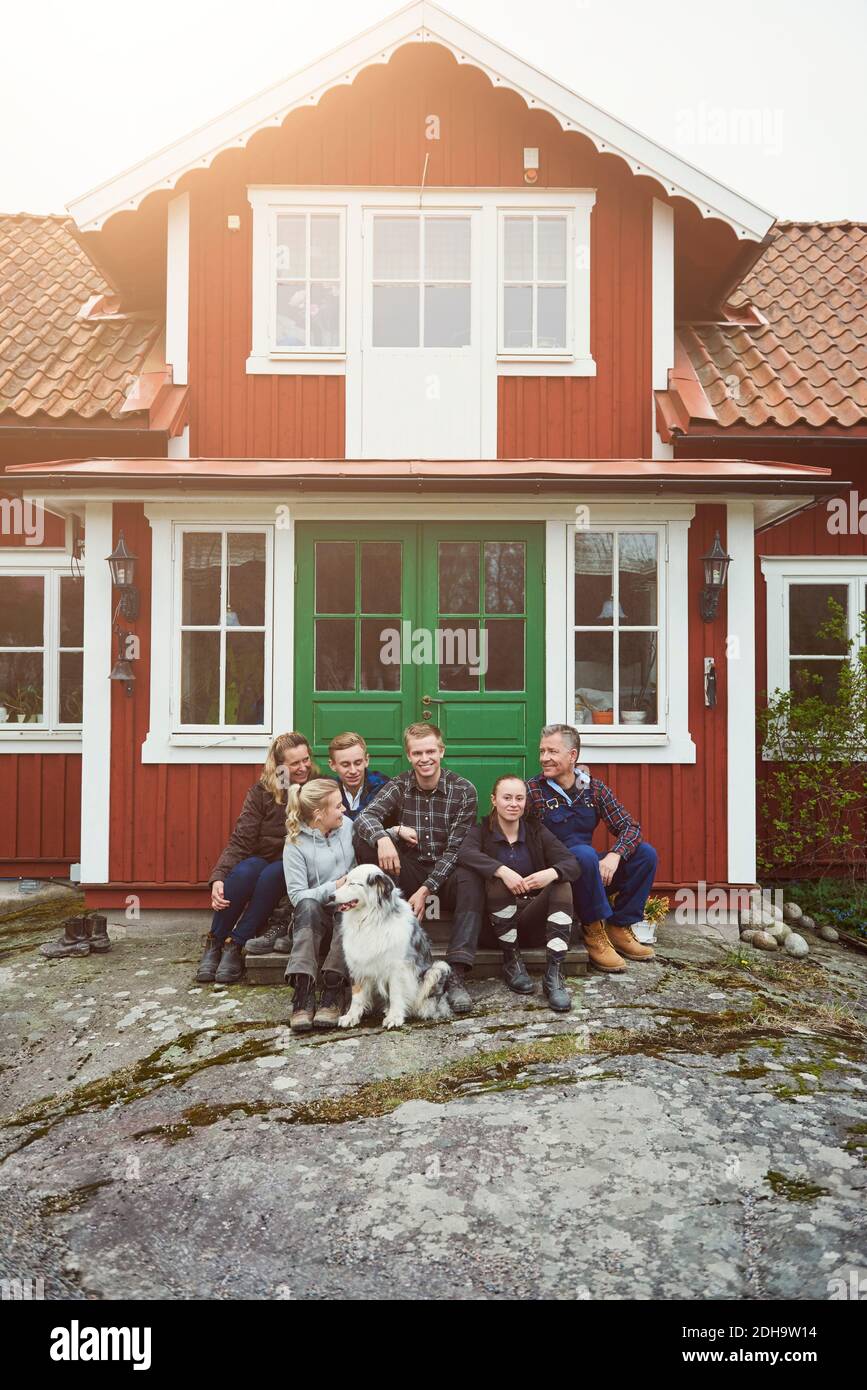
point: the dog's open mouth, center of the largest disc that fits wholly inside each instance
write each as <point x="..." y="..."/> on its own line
<point x="345" y="907"/>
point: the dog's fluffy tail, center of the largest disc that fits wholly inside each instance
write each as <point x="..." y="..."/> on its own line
<point x="434" y="980"/>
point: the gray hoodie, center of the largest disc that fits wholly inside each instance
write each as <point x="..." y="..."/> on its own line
<point x="314" y="862"/>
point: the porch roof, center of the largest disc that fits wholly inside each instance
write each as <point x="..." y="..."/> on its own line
<point x="741" y="476"/>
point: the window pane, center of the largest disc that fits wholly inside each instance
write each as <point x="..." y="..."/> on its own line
<point x="395" y="316"/>
<point x="325" y="248"/>
<point x="379" y="668"/>
<point x="458" y="577"/>
<point x="551" y="331"/>
<point x="458" y="654"/>
<point x="808" y="612"/>
<point x="245" y="677"/>
<point x="814" y="679"/>
<point x="518" y="248"/>
<point x="200" y="580"/>
<point x="504" y="576"/>
<point x="551" y="248"/>
<point x="21" y="611"/>
<point x="447" y="316"/>
<point x="638" y="565"/>
<point x="292" y="247"/>
<point x="245" y="600"/>
<point x="21" y="686"/>
<point x="594" y="674"/>
<point x="335" y="577"/>
<point x="505" y="655"/>
<point x="447" y="248"/>
<point x="324" y="315"/>
<point x="396" y="248"/>
<point x="71" y="612"/>
<point x="200" y="678"/>
<point x="335" y="654"/>
<point x="638" y="676"/>
<point x="291" y="316"/>
<point x="71" y="687"/>
<point x="380" y="576"/>
<point x="594" y="584"/>
<point x="518" y="317"/>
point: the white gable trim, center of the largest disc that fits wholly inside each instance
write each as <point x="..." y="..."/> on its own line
<point x="420" y="22"/>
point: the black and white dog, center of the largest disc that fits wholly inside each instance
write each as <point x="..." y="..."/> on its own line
<point x="387" y="952"/>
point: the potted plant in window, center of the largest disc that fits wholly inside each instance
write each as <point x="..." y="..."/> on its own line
<point x="28" y="701"/>
<point x="637" y="707"/>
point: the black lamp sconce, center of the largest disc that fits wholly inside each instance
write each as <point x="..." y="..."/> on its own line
<point x="122" y="669"/>
<point x="716" y="567"/>
<point x="122" y="565"/>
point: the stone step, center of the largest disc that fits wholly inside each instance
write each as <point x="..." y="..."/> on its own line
<point x="268" y="970"/>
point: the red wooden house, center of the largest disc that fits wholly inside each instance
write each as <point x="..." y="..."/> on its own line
<point x="437" y="352"/>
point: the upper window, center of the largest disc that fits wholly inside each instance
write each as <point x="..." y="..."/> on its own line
<point x="223" y="646"/>
<point x="308" y="281"/>
<point x="421" y="281"/>
<point x="618" y="628"/>
<point x="41" y="650"/>
<point x="535" y="283"/>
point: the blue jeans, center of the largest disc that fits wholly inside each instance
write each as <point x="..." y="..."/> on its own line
<point x="254" y="885"/>
<point x="632" y="882"/>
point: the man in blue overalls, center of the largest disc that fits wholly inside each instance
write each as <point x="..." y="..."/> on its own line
<point x="571" y="804"/>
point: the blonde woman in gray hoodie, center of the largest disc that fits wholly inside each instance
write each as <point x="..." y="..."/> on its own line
<point x="317" y="856"/>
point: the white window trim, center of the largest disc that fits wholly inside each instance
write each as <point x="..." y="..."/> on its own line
<point x="780" y="572"/>
<point x="51" y="737"/>
<point x="268" y="201"/>
<point x="288" y="354"/>
<point x="165" y="744"/>
<point x="535" y="354"/>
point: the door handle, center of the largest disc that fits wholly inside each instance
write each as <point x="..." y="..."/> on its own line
<point x="428" y="700"/>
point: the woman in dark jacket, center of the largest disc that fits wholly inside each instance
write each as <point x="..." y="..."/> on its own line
<point x="248" y="877"/>
<point x="527" y="873"/>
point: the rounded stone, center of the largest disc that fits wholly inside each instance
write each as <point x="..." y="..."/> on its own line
<point x="828" y="933"/>
<point x="796" y="945"/>
<point x="793" y="912"/>
<point x="807" y="923"/>
<point x="765" y="941"/>
<point x="780" y="931"/>
<point x="751" y="918"/>
<point x="748" y="935"/>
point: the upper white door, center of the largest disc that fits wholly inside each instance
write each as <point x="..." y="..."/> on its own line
<point x="421" y="339"/>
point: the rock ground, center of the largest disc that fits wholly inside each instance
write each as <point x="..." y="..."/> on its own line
<point x="693" y="1129"/>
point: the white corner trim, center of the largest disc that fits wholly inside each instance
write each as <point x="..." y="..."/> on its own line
<point x="741" y="687"/>
<point x="178" y="289"/>
<point x="179" y="447"/>
<point x="96" y="728"/>
<point x="420" y="22"/>
<point x="558" y="623"/>
<point x="662" y="298"/>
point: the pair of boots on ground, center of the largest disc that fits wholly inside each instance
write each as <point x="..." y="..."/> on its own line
<point x="600" y="942"/>
<point x="81" y="935"/>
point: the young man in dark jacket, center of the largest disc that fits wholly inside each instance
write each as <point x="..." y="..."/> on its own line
<point x="528" y="875"/>
<point x="349" y="760"/>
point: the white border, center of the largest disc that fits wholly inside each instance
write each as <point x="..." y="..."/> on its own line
<point x="96" y="729"/>
<point x="741" y="688"/>
<point x="178" y="288"/>
<point x="420" y="22"/>
<point x="777" y="569"/>
<point x="662" y="297"/>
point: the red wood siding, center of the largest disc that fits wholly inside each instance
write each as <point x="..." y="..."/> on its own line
<point x="40" y="826"/>
<point x="373" y="133"/>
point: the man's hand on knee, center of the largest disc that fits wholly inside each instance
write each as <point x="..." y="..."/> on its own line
<point x="387" y="855"/>
<point x="418" y="901"/>
<point x="608" y="867"/>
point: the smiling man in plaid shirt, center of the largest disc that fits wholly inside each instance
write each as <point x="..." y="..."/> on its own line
<point x="571" y="804"/>
<point x="413" y="828"/>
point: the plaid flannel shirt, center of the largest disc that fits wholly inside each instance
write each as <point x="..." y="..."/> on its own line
<point x="440" y="819"/>
<point x="599" y="798"/>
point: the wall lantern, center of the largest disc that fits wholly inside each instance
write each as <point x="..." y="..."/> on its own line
<point x="122" y="565"/>
<point x="716" y="567"/>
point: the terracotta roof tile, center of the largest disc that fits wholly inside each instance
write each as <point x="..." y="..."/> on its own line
<point x="806" y="366"/>
<point x="53" y="362"/>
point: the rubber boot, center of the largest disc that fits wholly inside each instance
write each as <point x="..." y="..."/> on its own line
<point x="558" y="996"/>
<point x="515" y="972"/>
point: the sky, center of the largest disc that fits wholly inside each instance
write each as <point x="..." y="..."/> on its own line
<point x="768" y="96"/>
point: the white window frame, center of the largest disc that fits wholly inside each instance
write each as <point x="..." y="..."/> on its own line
<point x="269" y="201"/>
<point x="307" y="350"/>
<point x="49" y="736"/>
<point x="421" y="281"/>
<point x="781" y="572"/>
<point x="179" y="627"/>
<point x="669" y="740"/>
<point x="537" y="215"/>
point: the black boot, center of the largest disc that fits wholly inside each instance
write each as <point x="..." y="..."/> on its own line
<point x="74" y="941"/>
<point x="515" y="971"/>
<point x="100" y="941"/>
<point x="456" y="991"/>
<point x="558" y="996"/>
<point x="209" y="962"/>
<point x="303" y="1004"/>
<point x="231" y="966"/>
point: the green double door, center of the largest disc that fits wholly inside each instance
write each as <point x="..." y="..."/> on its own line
<point x="440" y="623"/>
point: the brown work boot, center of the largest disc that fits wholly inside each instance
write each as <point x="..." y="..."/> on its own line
<point x="602" y="954"/>
<point x="330" y="1003"/>
<point x="627" y="943"/>
<point x="303" y="1005"/>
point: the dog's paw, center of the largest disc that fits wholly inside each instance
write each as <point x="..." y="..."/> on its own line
<point x="348" y="1021"/>
<point x="393" y="1021"/>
